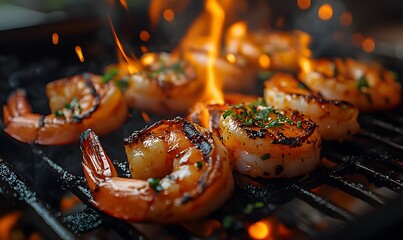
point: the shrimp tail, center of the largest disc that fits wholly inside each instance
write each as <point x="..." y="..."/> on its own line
<point x="19" y="121"/>
<point x="110" y="192"/>
<point x="96" y="164"/>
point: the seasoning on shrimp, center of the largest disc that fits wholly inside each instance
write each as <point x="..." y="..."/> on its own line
<point x="368" y="86"/>
<point x="180" y="171"/>
<point x="268" y="142"/>
<point x="337" y="119"/>
<point x="76" y="103"/>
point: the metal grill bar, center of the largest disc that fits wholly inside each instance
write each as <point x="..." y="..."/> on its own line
<point x="322" y="204"/>
<point x="77" y="186"/>
<point x="380" y="123"/>
<point x="381" y="139"/>
<point x="14" y="181"/>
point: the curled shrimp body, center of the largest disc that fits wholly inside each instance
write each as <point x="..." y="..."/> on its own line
<point x="270" y="143"/>
<point x="166" y="86"/>
<point x="76" y="103"/>
<point x="180" y="172"/>
<point x="368" y="86"/>
<point x="336" y="119"/>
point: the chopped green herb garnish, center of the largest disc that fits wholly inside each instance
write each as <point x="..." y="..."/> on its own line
<point x="258" y="114"/>
<point x="302" y="86"/>
<point x="122" y="84"/>
<point x="73" y="104"/>
<point x="265" y="156"/>
<point x="227" y="113"/>
<point x="155" y="184"/>
<point x="362" y="85"/>
<point x="344" y="107"/>
<point x="227" y="221"/>
<point x="299" y="124"/>
<point x="177" y="67"/>
<point x="109" y="75"/>
<point x="252" y="206"/>
<point x="264" y="75"/>
<point x="199" y="165"/>
<point x="59" y="113"/>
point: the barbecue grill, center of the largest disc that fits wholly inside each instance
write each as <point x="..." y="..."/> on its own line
<point x="355" y="193"/>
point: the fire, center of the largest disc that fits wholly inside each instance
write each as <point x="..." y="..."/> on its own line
<point x="7" y="223"/>
<point x="305" y="65"/>
<point x="325" y="12"/>
<point x="368" y="45"/>
<point x="214" y="93"/>
<point x="79" y="53"/>
<point x="260" y="230"/>
<point x="55" y="38"/>
<point x="129" y="64"/>
<point x="303" y="4"/>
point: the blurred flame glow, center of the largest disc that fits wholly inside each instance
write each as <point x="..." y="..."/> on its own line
<point x="325" y="12"/>
<point x="264" y="61"/>
<point x="55" y="38"/>
<point x="368" y="45"/>
<point x="303" y="4"/>
<point x="214" y="93"/>
<point x="230" y="58"/>
<point x="144" y="36"/>
<point x="79" y="53"/>
<point x="168" y="15"/>
<point x="305" y="65"/>
<point x="260" y="230"/>
<point x="346" y="19"/>
<point x="124" y="4"/>
<point x="146" y="117"/>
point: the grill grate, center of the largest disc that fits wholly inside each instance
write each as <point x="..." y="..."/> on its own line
<point x="375" y="155"/>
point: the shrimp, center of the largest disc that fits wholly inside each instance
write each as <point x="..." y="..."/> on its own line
<point x="179" y="171"/>
<point x="208" y="115"/>
<point x="166" y="86"/>
<point x="270" y="143"/>
<point x="368" y="86"/>
<point x="76" y="103"/>
<point x="274" y="50"/>
<point x="336" y="119"/>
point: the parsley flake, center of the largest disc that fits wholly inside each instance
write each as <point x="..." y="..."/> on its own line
<point x="299" y="124"/>
<point x="109" y="75"/>
<point x="199" y="165"/>
<point x="155" y="184"/>
<point x="265" y="156"/>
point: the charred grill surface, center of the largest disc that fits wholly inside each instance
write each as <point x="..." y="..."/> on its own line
<point x="367" y="168"/>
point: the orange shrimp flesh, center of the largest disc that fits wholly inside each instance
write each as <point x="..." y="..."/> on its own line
<point x="180" y="172"/>
<point x="368" y="86"/>
<point x="167" y="86"/>
<point x="270" y="143"/>
<point x="77" y="103"/>
<point x="337" y="119"/>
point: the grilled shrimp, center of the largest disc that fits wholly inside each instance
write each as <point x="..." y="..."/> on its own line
<point x="208" y="115"/>
<point x="270" y="143"/>
<point x="179" y="171"/>
<point x="76" y="103"/>
<point x="336" y="119"/>
<point x="369" y="87"/>
<point x="166" y="85"/>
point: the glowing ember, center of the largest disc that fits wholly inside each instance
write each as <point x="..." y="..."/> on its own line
<point x="55" y="38"/>
<point x="368" y="45"/>
<point x="146" y="117"/>
<point x="303" y="4"/>
<point x="264" y="61"/>
<point x="259" y="230"/>
<point x="168" y="15"/>
<point x="79" y="53"/>
<point x="305" y="65"/>
<point x="144" y="36"/>
<point x="231" y="58"/>
<point x="325" y="12"/>
<point x="346" y="19"/>
<point x="7" y="223"/>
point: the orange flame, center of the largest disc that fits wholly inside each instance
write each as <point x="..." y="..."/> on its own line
<point x="79" y="53"/>
<point x="55" y="38"/>
<point x="129" y="63"/>
<point x="214" y="93"/>
<point x="259" y="230"/>
<point x="7" y="223"/>
<point x="124" y="4"/>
